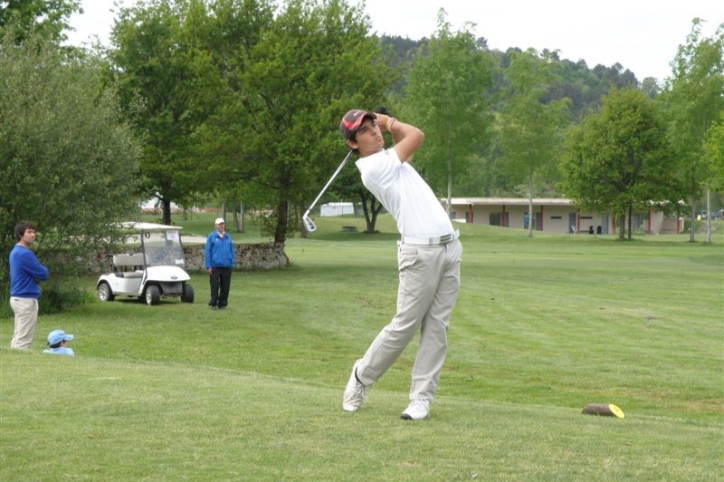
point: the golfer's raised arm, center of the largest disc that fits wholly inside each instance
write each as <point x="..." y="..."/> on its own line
<point x="407" y="137"/>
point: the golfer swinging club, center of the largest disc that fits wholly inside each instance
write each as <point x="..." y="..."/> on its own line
<point x="428" y="257"/>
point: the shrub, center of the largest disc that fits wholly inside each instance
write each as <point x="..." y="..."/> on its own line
<point x="62" y="295"/>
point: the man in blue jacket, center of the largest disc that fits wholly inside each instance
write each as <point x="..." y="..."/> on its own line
<point x="220" y="259"/>
<point x="26" y="273"/>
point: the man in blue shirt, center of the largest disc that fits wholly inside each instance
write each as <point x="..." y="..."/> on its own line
<point x="26" y="273"/>
<point x="220" y="259"/>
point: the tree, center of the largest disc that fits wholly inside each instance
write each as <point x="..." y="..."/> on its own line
<point x="693" y="99"/>
<point x="47" y="17"/>
<point x="618" y="159"/>
<point x="650" y="87"/>
<point x="714" y="154"/>
<point x="531" y="129"/>
<point x="160" y="63"/>
<point x="67" y="159"/>
<point x="315" y="62"/>
<point x="446" y="96"/>
<point x="231" y="31"/>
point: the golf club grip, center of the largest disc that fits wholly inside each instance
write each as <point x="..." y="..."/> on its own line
<point x="324" y="189"/>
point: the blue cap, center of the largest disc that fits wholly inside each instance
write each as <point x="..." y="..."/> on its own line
<point x="56" y="336"/>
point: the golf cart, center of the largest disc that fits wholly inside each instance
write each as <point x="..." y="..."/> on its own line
<point x="154" y="271"/>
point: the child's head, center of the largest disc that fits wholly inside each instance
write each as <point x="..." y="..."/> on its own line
<point x="57" y="338"/>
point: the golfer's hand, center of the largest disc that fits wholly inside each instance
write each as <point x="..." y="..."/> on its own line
<point x="383" y="122"/>
<point x="383" y="118"/>
<point x="208" y="270"/>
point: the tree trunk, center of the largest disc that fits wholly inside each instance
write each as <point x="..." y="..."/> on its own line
<point x="239" y="217"/>
<point x="630" y="221"/>
<point x="282" y="212"/>
<point x="166" y="211"/>
<point x="708" y="217"/>
<point x="531" y="216"/>
<point x="692" y="228"/>
<point x="370" y="211"/>
<point x="376" y="208"/>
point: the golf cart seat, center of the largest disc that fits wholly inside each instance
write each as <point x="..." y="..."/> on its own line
<point x="124" y="262"/>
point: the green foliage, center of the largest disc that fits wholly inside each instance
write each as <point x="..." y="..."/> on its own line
<point x="67" y="160"/>
<point x="694" y="99"/>
<point x="401" y="52"/>
<point x="576" y="81"/>
<point x="619" y="159"/>
<point x="5" y="310"/>
<point x="531" y="128"/>
<point x="315" y="62"/>
<point x="160" y="60"/>
<point x="446" y="98"/>
<point x="229" y="32"/>
<point x="62" y="295"/>
<point x="252" y="120"/>
<point x="714" y="154"/>
<point x="37" y="17"/>
<point x="584" y="86"/>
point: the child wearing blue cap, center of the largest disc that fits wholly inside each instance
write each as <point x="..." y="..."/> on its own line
<point x="57" y="340"/>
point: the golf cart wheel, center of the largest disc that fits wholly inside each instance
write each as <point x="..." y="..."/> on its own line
<point x="153" y="296"/>
<point x="105" y="293"/>
<point x="187" y="295"/>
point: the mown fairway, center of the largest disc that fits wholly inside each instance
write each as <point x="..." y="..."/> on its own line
<point x="543" y="327"/>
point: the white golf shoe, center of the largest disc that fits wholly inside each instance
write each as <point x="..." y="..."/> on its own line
<point x="354" y="393"/>
<point x="417" y="410"/>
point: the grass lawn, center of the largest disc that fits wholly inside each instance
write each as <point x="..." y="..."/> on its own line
<point x="543" y="327"/>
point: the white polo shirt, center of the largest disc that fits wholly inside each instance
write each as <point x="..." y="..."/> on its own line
<point x="404" y="194"/>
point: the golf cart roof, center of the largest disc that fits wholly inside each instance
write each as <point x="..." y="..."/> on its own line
<point x="147" y="226"/>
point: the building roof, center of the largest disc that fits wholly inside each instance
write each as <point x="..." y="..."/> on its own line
<point x="510" y="201"/>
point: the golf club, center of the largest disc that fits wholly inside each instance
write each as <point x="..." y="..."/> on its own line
<point x="308" y="223"/>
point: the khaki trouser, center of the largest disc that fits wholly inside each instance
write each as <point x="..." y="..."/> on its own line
<point x="26" y="318"/>
<point x="426" y="296"/>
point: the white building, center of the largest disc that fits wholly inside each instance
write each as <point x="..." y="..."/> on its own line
<point x="556" y="215"/>
<point x="336" y="209"/>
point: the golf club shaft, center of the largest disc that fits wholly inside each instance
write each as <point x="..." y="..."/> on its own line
<point x="324" y="189"/>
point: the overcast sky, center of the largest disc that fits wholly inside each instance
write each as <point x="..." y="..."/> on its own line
<point x="641" y="35"/>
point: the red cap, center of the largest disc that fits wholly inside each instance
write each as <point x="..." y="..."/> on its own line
<point x="352" y="121"/>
